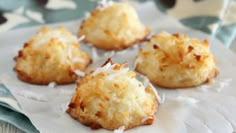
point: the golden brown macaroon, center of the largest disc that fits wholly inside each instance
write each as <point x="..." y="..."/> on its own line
<point x="51" y="55"/>
<point x="113" y="26"/>
<point x="176" y="61"/>
<point x="111" y="97"/>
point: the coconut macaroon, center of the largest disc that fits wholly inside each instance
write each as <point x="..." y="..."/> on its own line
<point x="113" y="26"/>
<point x="111" y="97"/>
<point x="176" y="61"/>
<point x="51" y="55"/>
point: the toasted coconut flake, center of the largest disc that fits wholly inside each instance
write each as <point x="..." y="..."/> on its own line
<point x="145" y="119"/>
<point x="109" y="68"/>
<point x="206" y="42"/>
<point x="81" y="38"/>
<point x="198" y="57"/>
<point x="155" y="46"/>
<point x="190" y="48"/>
<point x="109" y="60"/>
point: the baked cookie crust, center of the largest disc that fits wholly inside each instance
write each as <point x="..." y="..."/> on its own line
<point x="176" y="61"/>
<point x="51" y="55"/>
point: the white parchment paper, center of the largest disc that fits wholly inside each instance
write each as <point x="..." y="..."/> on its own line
<point x="204" y="109"/>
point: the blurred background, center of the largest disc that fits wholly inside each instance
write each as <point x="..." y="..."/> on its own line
<point x="215" y="17"/>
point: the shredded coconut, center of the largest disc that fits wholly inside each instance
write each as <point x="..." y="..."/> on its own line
<point x="120" y="129"/>
<point x="101" y="69"/>
<point x="114" y="73"/>
<point x="77" y="59"/>
<point x="144" y="79"/>
<point x="79" y="73"/>
<point x="94" y="54"/>
<point x="109" y="54"/>
<point x="108" y="68"/>
<point x="54" y="33"/>
<point x="33" y="96"/>
<point x="224" y="83"/>
<point x="63" y="107"/>
<point x="203" y="88"/>
<point x="187" y="99"/>
<point x="87" y="15"/>
<point x="163" y="98"/>
<point x="52" y="84"/>
<point x="81" y="38"/>
<point x="137" y="61"/>
<point x="122" y="52"/>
